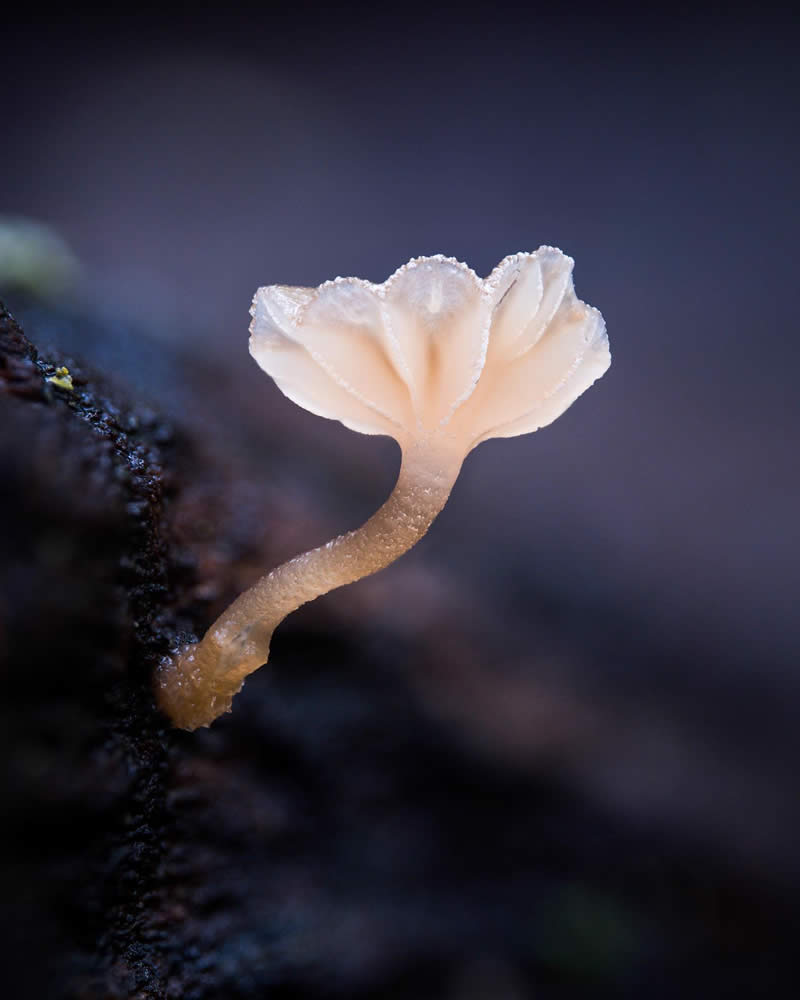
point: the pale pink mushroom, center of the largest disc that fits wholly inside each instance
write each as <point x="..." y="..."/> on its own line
<point x="438" y="359"/>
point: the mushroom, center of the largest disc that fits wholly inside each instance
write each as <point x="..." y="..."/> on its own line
<point x="438" y="359"/>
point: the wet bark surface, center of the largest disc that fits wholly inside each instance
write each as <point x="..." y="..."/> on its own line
<point x="388" y="812"/>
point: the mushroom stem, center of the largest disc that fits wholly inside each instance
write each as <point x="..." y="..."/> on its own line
<point x="197" y="683"/>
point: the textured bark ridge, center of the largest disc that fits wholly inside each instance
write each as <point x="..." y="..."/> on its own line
<point x="379" y="818"/>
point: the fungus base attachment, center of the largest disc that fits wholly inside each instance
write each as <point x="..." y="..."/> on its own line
<point x="195" y="685"/>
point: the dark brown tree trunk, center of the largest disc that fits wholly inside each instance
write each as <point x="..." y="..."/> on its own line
<point x="347" y="832"/>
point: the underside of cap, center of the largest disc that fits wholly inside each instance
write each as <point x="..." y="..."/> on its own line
<point x="435" y="350"/>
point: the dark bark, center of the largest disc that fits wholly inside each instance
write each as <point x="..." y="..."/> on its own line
<point x="375" y="818"/>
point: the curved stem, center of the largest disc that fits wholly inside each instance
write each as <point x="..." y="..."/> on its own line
<point x="197" y="683"/>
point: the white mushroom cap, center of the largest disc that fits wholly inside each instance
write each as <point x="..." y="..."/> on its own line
<point x="435" y="350"/>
